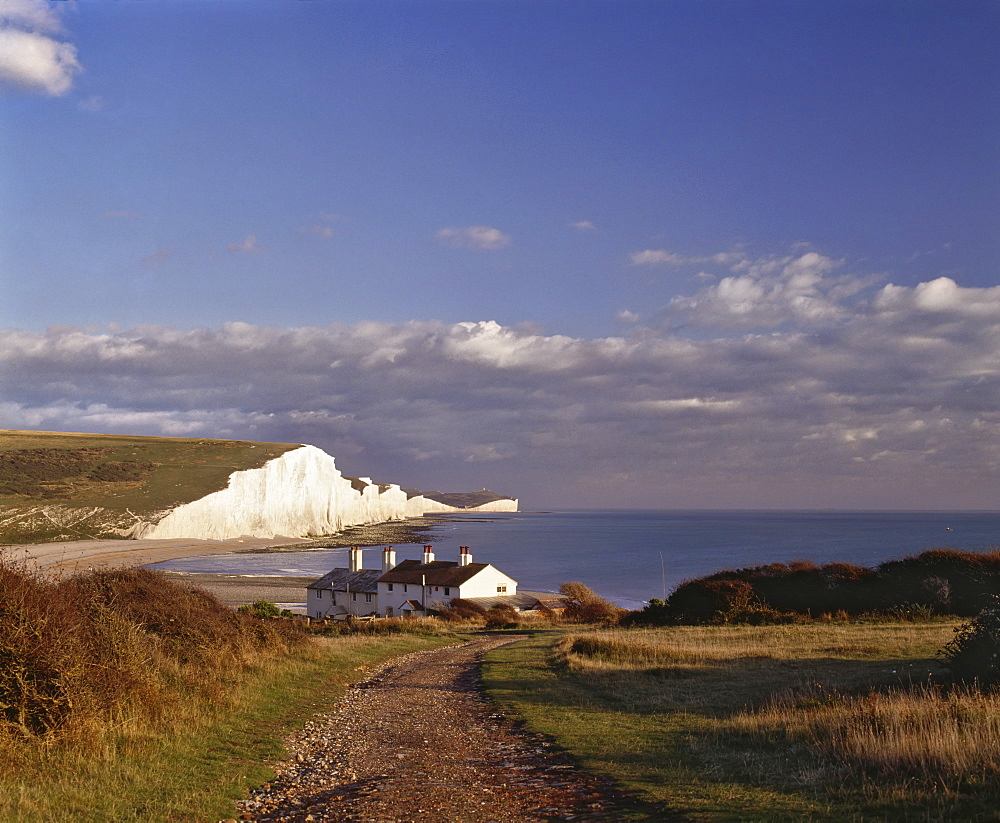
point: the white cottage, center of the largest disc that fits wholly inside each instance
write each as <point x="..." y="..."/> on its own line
<point x="343" y="593"/>
<point x="413" y="587"/>
<point x="409" y="589"/>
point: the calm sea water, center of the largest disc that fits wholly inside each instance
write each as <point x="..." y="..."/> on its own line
<point x="630" y="556"/>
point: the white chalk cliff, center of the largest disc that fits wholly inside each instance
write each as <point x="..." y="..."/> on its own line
<point x="302" y="493"/>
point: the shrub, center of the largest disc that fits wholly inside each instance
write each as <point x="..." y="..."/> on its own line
<point x="586" y="606"/>
<point x="705" y="600"/>
<point x="974" y="654"/>
<point x="459" y="610"/>
<point x="654" y="613"/>
<point x="111" y="643"/>
<point x="261" y="608"/>
<point x="503" y="616"/>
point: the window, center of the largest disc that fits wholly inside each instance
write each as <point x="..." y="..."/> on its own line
<point x="501" y="589"/>
<point x="368" y="597"/>
<point x="388" y="610"/>
<point x="404" y="588"/>
<point x="354" y="595"/>
<point x="447" y="590"/>
<point x="390" y="589"/>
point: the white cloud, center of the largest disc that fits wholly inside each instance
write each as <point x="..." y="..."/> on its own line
<point x="660" y="257"/>
<point x="474" y="237"/>
<point x="626" y="316"/>
<point x="842" y="411"/>
<point x="246" y="246"/>
<point x="766" y="292"/>
<point x="32" y="57"/>
<point x="584" y="225"/>
<point x="655" y="257"/>
<point x="940" y="296"/>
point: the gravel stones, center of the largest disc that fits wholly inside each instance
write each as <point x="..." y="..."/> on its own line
<point x="417" y="741"/>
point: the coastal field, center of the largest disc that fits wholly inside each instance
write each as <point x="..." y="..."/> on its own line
<point x="823" y="722"/>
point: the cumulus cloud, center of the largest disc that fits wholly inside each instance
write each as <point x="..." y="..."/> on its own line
<point x="584" y="225"/>
<point x="626" y="316"/>
<point x="474" y="237"/>
<point x="766" y="292"/>
<point x="246" y="246"/>
<point x="34" y="55"/>
<point x="889" y="399"/>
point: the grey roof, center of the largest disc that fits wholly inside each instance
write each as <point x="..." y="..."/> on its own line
<point x="523" y="600"/>
<point x="340" y="580"/>
<point x="436" y="573"/>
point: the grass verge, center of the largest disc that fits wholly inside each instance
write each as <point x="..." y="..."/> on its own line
<point x="197" y="765"/>
<point x="779" y="723"/>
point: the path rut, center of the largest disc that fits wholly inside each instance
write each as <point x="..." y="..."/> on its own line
<point x="417" y="741"/>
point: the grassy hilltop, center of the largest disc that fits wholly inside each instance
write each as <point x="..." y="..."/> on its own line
<point x="56" y="486"/>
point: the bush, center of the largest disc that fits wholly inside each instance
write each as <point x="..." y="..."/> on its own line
<point x="654" y="613"/>
<point x="261" y="608"/>
<point x="104" y="644"/>
<point x="502" y="616"/>
<point x="974" y="655"/>
<point x="459" y="610"/>
<point x="586" y="606"/>
<point x="706" y="600"/>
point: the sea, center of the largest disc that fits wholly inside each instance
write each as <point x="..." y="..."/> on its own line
<point x="630" y="556"/>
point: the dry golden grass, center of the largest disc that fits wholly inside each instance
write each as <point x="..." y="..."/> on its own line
<point x="860" y="717"/>
<point x="711" y="646"/>
<point x="940" y="738"/>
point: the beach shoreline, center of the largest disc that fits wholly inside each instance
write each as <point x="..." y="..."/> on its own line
<point x="72" y="557"/>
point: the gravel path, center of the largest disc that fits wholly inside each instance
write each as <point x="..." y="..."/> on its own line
<point x="418" y="742"/>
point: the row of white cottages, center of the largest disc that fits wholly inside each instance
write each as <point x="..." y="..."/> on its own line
<point x="413" y="588"/>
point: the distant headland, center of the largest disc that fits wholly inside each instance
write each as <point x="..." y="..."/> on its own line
<point x="68" y="486"/>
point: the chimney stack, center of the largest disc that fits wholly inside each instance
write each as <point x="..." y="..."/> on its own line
<point x="355" y="559"/>
<point x="428" y="554"/>
<point x="464" y="555"/>
<point x="388" y="559"/>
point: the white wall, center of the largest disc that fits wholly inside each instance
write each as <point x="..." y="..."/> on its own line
<point x="324" y="603"/>
<point x="483" y="584"/>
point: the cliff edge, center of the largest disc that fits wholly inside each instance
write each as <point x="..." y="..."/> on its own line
<point x="68" y="487"/>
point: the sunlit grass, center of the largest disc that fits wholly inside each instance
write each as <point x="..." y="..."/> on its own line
<point x="196" y="762"/>
<point x="847" y="721"/>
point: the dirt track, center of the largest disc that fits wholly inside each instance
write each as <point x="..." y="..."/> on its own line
<point x="418" y="742"/>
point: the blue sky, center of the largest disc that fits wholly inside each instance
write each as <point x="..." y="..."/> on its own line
<point x="725" y="253"/>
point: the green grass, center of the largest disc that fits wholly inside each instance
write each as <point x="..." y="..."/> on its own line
<point x="199" y="765"/>
<point x="742" y="723"/>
